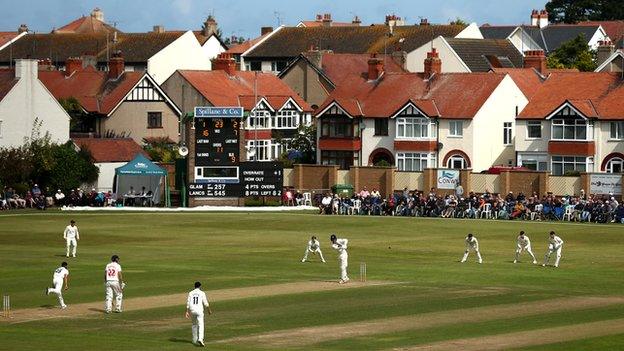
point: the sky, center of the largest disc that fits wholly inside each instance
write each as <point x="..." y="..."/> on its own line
<point x="245" y="17"/>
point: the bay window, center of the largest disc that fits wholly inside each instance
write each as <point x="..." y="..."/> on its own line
<point x="561" y="165"/>
<point x="259" y="120"/>
<point x="286" y="119"/>
<point x="414" y="161"/>
<point x="339" y="127"/>
<point x="571" y="129"/>
<point x="415" y="128"/>
<point x="262" y="150"/>
<point x="344" y="159"/>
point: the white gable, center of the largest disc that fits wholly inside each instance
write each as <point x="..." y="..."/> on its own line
<point x="145" y="91"/>
<point x="470" y="32"/>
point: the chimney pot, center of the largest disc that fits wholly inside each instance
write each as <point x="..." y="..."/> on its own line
<point x="72" y="64"/>
<point x="535" y="59"/>
<point x="265" y="30"/>
<point x="433" y="64"/>
<point x="375" y="67"/>
<point x="224" y="62"/>
<point x="116" y="66"/>
<point x="22" y="28"/>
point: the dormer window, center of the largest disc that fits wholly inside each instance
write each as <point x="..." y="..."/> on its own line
<point x="415" y="128"/>
<point x="567" y="124"/>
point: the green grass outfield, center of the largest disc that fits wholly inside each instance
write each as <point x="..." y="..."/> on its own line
<point x="164" y="253"/>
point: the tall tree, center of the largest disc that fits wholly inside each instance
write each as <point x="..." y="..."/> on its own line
<point x="574" y="11"/>
<point x="574" y="53"/>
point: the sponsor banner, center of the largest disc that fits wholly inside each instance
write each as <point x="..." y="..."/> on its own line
<point x="605" y="184"/>
<point x="447" y="178"/>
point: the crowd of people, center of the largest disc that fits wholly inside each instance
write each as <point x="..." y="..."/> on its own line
<point x="580" y="208"/>
<point x="40" y="199"/>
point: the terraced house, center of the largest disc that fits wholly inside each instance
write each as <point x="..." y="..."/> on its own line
<point x="574" y="122"/>
<point x="420" y="120"/>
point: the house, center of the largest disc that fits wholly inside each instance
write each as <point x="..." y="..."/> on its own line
<point x="614" y="29"/>
<point x="237" y="51"/>
<point x="548" y="36"/>
<point x="274" y="110"/>
<point x="158" y="52"/>
<point x="467" y="55"/>
<point x="315" y="74"/>
<point x="420" y="120"/>
<point x="284" y="45"/>
<point x="608" y="58"/>
<point x="116" y="102"/>
<point x="7" y="38"/>
<point x="27" y="108"/>
<point x="573" y="123"/>
<point x="109" y="154"/>
<point x="325" y="20"/>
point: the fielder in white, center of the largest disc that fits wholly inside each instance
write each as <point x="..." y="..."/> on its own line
<point x="72" y="236"/>
<point x="195" y="304"/>
<point x="555" y="244"/>
<point x="114" y="285"/>
<point x="472" y="244"/>
<point x="524" y="244"/>
<point x="60" y="277"/>
<point x="340" y="245"/>
<point x="314" y="247"/>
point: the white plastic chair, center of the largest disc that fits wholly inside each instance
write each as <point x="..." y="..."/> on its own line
<point x="307" y="199"/>
<point x="568" y="213"/>
<point x="357" y="204"/>
<point x="487" y="211"/>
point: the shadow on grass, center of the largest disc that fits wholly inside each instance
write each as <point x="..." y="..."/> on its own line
<point x="97" y="310"/>
<point x="48" y="306"/>
<point x="180" y="340"/>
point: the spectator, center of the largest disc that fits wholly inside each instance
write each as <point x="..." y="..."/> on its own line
<point x="326" y="204"/>
<point x="59" y="198"/>
<point x="459" y="191"/>
<point x="375" y="194"/>
<point x="364" y="193"/>
<point x="35" y="190"/>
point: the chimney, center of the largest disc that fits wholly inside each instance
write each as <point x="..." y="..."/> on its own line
<point x="158" y="29"/>
<point x="46" y="65"/>
<point x="72" y="64"/>
<point x="89" y="59"/>
<point x="97" y="14"/>
<point x="356" y="21"/>
<point x="315" y="56"/>
<point x="424" y="22"/>
<point x="535" y="18"/>
<point x="400" y="58"/>
<point x="266" y="30"/>
<point x="327" y="20"/>
<point x="224" y="62"/>
<point x="116" y="66"/>
<point x="535" y="59"/>
<point x="375" y="67"/>
<point x="210" y="26"/>
<point x="22" y="28"/>
<point x="605" y="50"/>
<point x="433" y="64"/>
<point x="543" y="19"/>
<point x="319" y="18"/>
<point x="26" y="68"/>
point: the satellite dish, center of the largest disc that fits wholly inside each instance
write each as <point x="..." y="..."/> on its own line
<point x="183" y="151"/>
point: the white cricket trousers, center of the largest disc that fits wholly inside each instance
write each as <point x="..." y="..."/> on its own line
<point x="113" y="288"/>
<point x="524" y="248"/>
<point x="468" y="251"/>
<point x="343" y="267"/>
<point x="71" y="244"/>
<point x="58" y="290"/>
<point x="307" y="251"/>
<point x="198" y="326"/>
<point x="552" y="249"/>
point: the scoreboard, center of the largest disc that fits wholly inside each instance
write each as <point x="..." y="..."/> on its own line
<point x="219" y="172"/>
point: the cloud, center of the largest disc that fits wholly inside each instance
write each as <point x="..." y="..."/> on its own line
<point x="184" y="6"/>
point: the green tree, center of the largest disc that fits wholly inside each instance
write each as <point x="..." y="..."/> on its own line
<point x="71" y="168"/>
<point x="160" y="149"/>
<point x="574" y="53"/>
<point x="81" y="121"/>
<point x="459" y="22"/>
<point x="574" y="11"/>
<point x="302" y="146"/>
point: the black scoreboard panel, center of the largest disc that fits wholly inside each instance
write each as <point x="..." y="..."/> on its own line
<point x="262" y="178"/>
<point x="217" y="141"/>
<point x="214" y="190"/>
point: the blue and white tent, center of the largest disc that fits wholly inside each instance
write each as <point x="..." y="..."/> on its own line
<point x="141" y="172"/>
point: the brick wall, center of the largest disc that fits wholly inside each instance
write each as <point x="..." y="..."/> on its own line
<point x="380" y="178"/>
<point x="314" y="177"/>
<point x="525" y="182"/>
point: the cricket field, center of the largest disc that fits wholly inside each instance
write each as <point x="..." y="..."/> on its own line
<point x="417" y="295"/>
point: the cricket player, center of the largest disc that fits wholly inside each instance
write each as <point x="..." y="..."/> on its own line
<point x="195" y="304"/>
<point x="472" y="244"/>
<point x="60" y="277"/>
<point x="341" y="246"/>
<point x="72" y="236"/>
<point x="555" y="244"/>
<point x="524" y="244"/>
<point x="314" y="246"/>
<point x="114" y="285"/>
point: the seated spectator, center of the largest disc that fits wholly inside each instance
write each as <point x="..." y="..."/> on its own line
<point x="364" y="193"/>
<point x="109" y="198"/>
<point x="375" y="194"/>
<point x="518" y="210"/>
<point x="619" y="214"/>
<point x="326" y="204"/>
<point x="59" y="198"/>
<point x="30" y="202"/>
<point x="35" y="190"/>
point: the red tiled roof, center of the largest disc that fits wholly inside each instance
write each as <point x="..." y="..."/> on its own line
<point x="93" y="89"/>
<point x="333" y="24"/>
<point x="7" y="81"/>
<point x="221" y="89"/>
<point x="86" y="25"/>
<point x="527" y="79"/>
<point x="614" y="29"/>
<point x="241" y="48"/>
<point x="596" y="95"/>
<point x="6" y="37"/>
<point x="447" y="95"/>
<point x="111" y="150"/>
<point x="340" y="66"/>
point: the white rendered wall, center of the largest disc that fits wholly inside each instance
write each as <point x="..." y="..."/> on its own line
<point x="183" y="53"/>
<point x="451" y="63"/>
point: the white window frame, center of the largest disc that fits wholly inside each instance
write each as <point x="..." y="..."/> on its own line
<point x="538" y="159"/>
<point x="575" y="161"/>
<point x="414" y="161"/>
<point x="576" y="124"/>
<point x="427" y="128"/>
<point x="615" y="160"/>
<point x="259" y="115"/>
<point x="456" y="129"/>
<point x="286" y="119"/>
<point x="530" y="124"/>
<point x="455" y="158"/>
<point x="616" y="131"/>
<point x="277" y="149"/>
<point x="262" y="152"/>
<point x="507" y="133"/>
